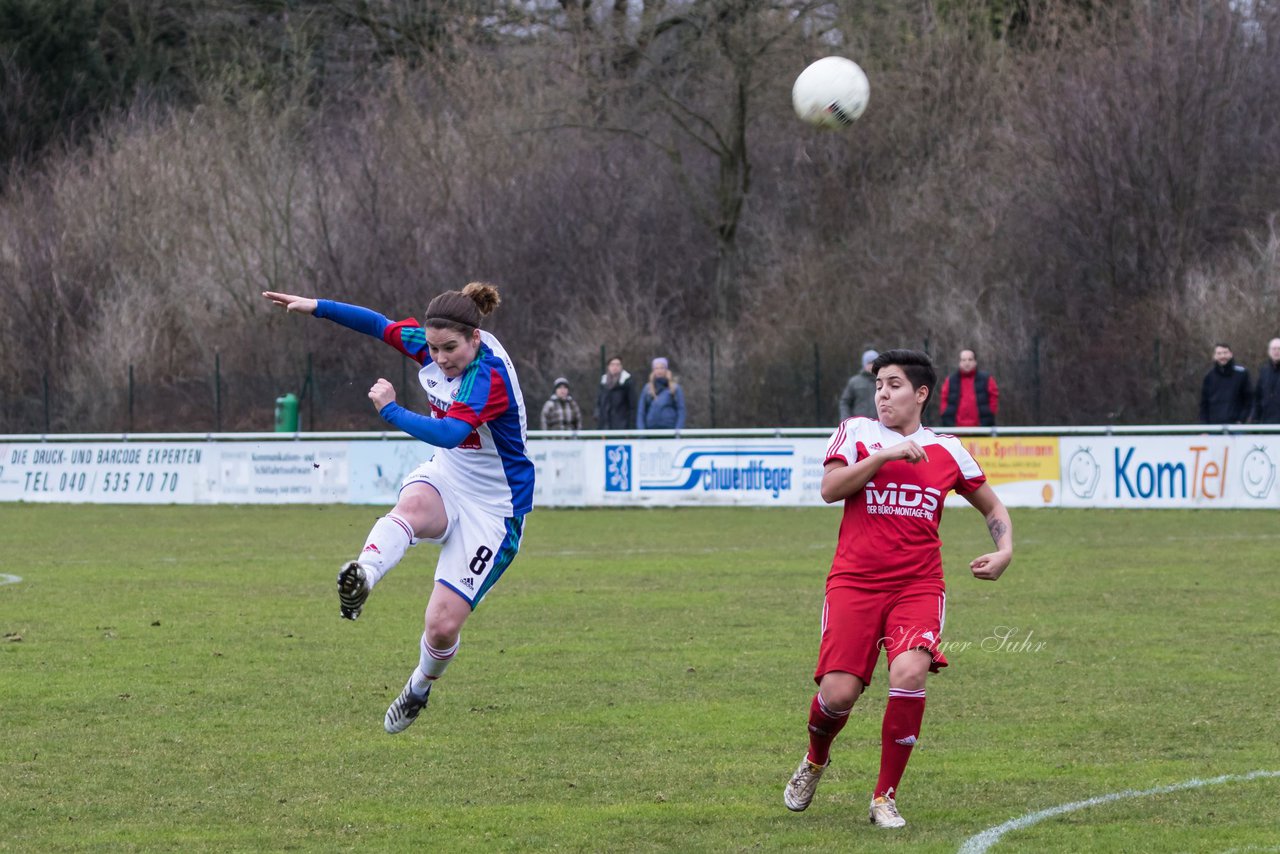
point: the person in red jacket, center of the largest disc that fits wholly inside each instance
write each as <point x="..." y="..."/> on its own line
<point x="969" y="396"/>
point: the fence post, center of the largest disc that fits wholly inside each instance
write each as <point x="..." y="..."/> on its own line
<point x="217" y="391"/>
<point x="1035" y="374"/>
<point x="311" y="401"/>
<point x="1155" y="372"/>
<point x="130" y="427"/>
<point x="712" y="384"/>
<point x="817" y="385"/>
<point x="306" y="392"/>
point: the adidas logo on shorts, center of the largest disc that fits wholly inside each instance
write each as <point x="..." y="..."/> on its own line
<point x="469" y="584"/>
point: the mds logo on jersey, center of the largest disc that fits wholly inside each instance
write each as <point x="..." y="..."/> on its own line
<point x="902" y="499"/>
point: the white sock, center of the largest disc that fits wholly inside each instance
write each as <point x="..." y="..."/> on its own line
<point x="388" y="539"/>
<point x="431" y="664"/>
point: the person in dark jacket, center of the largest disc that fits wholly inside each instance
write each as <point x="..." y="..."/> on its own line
<point x="661" y="400"/>
<point x="561" y="411"/>
<point x="1225" y="395"/>
<point x="969" y="396"/>
<point x="615" y="403"/>
<point x="1266" y="397"/>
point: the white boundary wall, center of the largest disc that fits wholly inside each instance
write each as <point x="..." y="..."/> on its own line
<point x="1070" y="467"/>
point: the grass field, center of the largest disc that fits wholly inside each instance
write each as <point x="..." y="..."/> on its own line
<point x="178" y="678"/>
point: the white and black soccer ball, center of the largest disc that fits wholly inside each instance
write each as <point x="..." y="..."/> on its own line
<point x="831" y="93"/>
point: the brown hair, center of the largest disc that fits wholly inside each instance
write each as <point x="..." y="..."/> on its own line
<point x="463" y="310"/>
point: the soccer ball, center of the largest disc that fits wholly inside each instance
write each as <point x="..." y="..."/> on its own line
<point x="831" y="93"/>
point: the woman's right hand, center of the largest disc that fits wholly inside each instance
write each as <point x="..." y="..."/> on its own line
<point x="302" y="305"/>
<point x="909" y="451"/>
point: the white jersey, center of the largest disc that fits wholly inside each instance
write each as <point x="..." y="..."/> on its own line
<point x="491" y="467"/>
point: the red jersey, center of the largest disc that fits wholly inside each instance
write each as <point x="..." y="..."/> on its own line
<point x="889" y="531"/>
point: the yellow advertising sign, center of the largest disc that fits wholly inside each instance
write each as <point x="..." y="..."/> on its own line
<point x="1026" y="463"/>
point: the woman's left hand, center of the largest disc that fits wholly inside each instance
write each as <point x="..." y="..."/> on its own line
<point x="990" y="567"/>
<point x="382" y="393"/>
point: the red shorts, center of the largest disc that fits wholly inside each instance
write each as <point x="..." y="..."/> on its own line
<point x="857" y="624"/>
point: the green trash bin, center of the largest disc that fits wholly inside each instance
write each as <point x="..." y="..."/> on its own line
<point x="287" y="413"/>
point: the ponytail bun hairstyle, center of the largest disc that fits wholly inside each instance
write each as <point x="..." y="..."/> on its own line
<point x="463" y="310"/>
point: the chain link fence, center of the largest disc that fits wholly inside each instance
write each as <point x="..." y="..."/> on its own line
<point x="801" y="388"/>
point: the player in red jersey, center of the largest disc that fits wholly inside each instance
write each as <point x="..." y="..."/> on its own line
<point x="885" y="589"/>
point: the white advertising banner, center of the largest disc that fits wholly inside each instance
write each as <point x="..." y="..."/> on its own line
<point x="175" y="472"/>
<point x="559" y="473"/>
<point x="276" y="473"/>
<point x="378" y="466"/>
<point x="1170" y="471"/>
<point x="1095" y="471"/>
<point x="666" y="472"/>
<point x="766" y="472"/>
<point x="104" y="473"/>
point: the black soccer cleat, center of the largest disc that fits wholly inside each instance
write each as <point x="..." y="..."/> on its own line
<point x="352" y="590"/>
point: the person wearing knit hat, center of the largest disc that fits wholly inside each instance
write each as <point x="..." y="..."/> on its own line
<point x="661" y="400"/>
<point x="561" y="412"/>
<point x="858" y="400"/>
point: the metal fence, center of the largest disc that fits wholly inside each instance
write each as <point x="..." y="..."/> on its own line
<point x="797" y="390"/>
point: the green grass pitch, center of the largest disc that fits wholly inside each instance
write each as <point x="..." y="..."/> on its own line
<point x="178" y="678"/>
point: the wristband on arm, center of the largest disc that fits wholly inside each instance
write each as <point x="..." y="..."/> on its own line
<point x="441" y="432"/>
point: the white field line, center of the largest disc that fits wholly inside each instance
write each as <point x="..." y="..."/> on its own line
<point x="9" y="579"/>
<point x="1179" y="538"/>
<point x="983" y="841"/>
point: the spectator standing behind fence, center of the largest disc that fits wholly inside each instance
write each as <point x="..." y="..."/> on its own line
<point x="859" y="396"/>
<point x="561" y="412"/>
<point x="1266" y="398"/>
<point x="661" y="400"/>
<point x="615" y="404"/>
<point x="969" y="396"/>
<point x="1225" y="394"/>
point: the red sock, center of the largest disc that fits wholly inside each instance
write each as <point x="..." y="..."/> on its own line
<point x="902" y="716"/>
<point x="824" y="724"/>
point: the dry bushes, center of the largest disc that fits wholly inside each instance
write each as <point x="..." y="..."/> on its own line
<point x="1066" y="206"/>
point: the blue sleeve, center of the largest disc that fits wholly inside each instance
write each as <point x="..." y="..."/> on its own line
<point x="641" y="410"/>
<point x="441" y="432"/>
<point x="679" y="408"/>
<point x="353" y="317"/>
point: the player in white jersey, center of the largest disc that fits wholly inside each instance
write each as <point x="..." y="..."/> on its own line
<point x="471" y="497"/>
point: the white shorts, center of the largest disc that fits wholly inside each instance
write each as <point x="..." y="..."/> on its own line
<point x="477" y="545"/>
